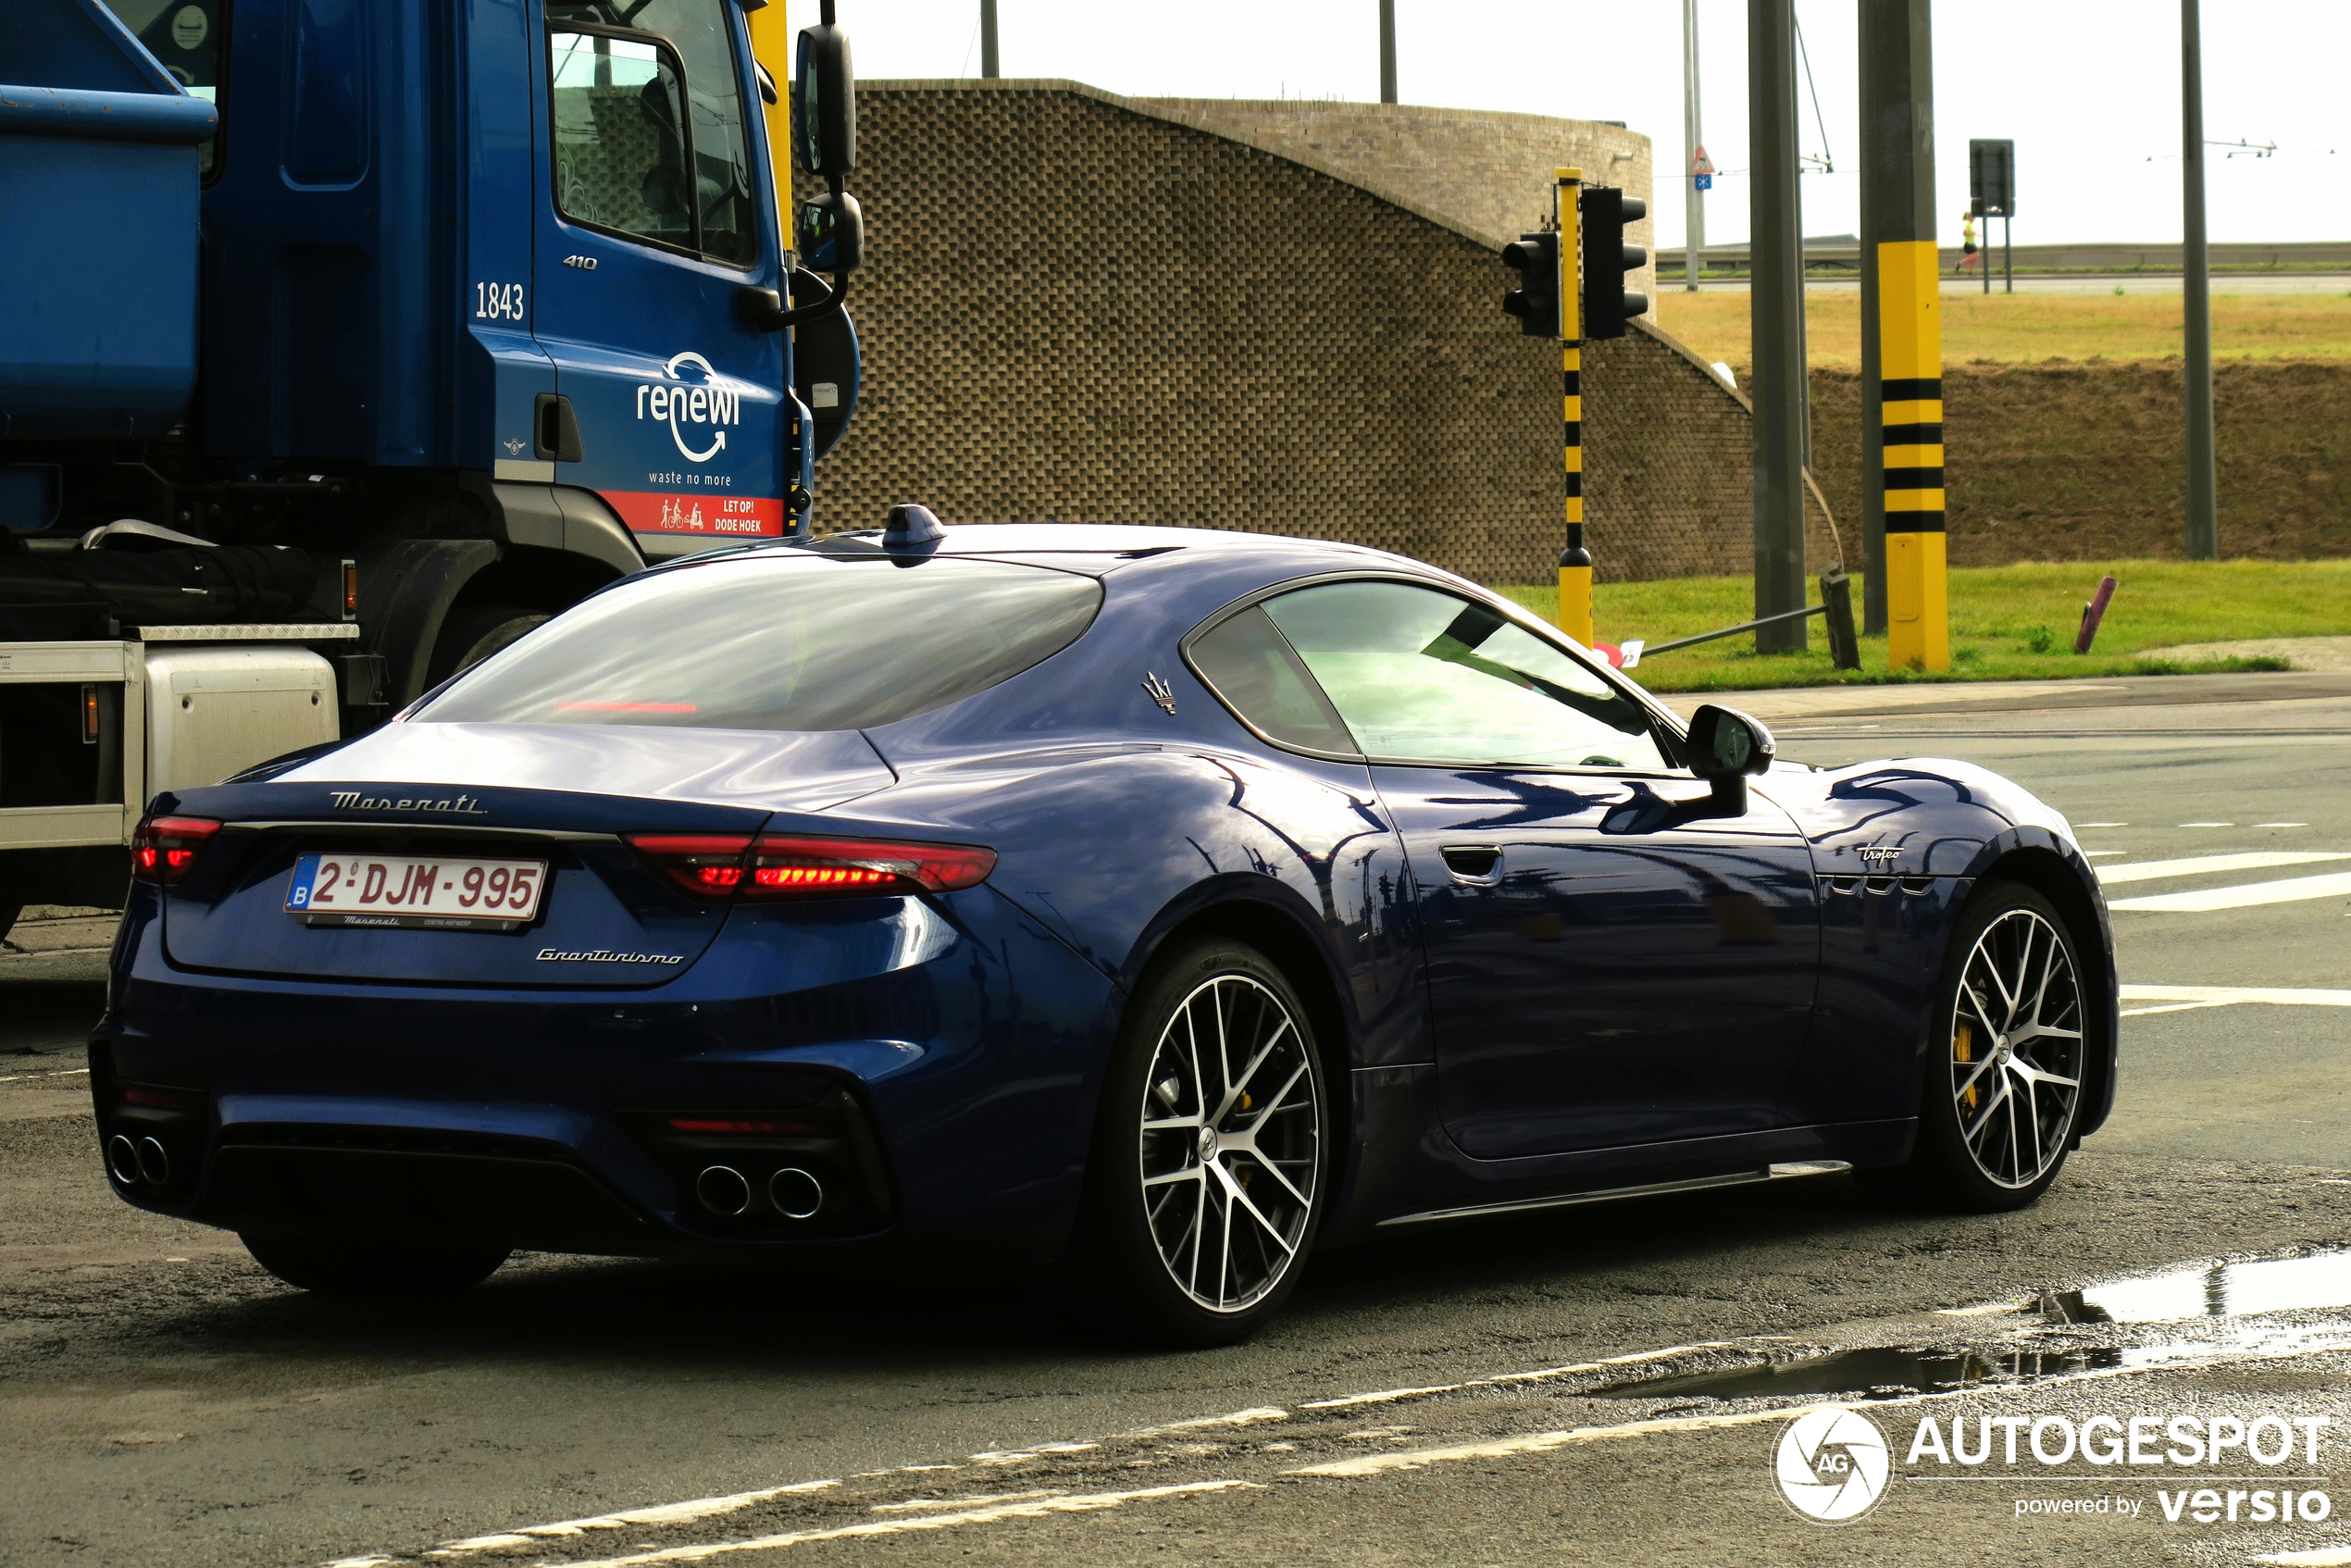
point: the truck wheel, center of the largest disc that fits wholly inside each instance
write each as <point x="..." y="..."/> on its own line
<point x="473" y="633"/>
<point x="361" y="1268"/>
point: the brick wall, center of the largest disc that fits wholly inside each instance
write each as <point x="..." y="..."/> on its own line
<point x="1075" y="308"/>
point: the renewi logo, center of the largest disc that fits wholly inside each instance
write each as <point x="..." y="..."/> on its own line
<point x="697" y="398"/>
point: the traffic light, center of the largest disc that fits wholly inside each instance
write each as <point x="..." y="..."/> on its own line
<point x="1608" y="305"/>
<point x="1535" y="301"/>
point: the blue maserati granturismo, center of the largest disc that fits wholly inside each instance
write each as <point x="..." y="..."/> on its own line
<point x="1171" y="901"/>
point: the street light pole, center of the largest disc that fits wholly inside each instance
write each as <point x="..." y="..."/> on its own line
<point x="2203" y="497"/>
<point x="988" y="62"/>
<point x="1776" y="240"/>
<point x="1388" y="51"/>
<point x="1692" y="200"/>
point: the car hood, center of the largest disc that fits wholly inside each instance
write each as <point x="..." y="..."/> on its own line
<point x="808" y="770"/>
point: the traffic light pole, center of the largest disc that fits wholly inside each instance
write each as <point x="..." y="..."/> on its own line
<point x="1777" y="300"/>
<point x="1908" y="593"/>
<point x="1575" y="562"/>
<point x="2203" y="496"/>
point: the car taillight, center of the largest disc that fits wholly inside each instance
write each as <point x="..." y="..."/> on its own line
<point x="164" y="849"/>
<point x="709" y="866"/>
<point x="784" y="865"/>
<point x="794" y="865"/>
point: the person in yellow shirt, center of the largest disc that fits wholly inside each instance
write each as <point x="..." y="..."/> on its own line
<point x="1967" y="241"/>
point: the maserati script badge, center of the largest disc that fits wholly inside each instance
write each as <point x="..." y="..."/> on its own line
<point x="1882" y="854"/>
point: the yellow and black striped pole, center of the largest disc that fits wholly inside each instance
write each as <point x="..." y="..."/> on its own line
<point x="1902" y="338"/>
<point x="1575" y="562"/>
<point x="1918" y="595"/>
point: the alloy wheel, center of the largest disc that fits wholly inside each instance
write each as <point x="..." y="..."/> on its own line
<point x="1232" y="1125"/>
<point x="2016" y="1050"/>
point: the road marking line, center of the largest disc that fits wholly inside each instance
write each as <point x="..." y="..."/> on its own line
<point x="1033" y="1508"/>
<point x="2282" y="824"/>
<point x="2182" y="998"/>
<point x="2208" y="824"/>
<point x="2102" y="824"/>
<point x="1540" y="1442"/>
<point x="2095" y="854"/>
<point x="931" y="1505"/>
<point x="2244" y="896"/>
<point x="2317" y="1557"/>
<point x="24" y="1077"/>
<point x="664" y="1514"/>
<point x="1022" y="1456"/>
<point x="2198" y="865"/>
<point x="1249" y="1417"/>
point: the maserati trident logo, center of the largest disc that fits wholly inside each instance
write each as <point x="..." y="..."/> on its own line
<point x="1159" y="692"/>
<point x="461" y="806"/>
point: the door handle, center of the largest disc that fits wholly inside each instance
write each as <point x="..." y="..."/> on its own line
<point x="1471" y="862"/>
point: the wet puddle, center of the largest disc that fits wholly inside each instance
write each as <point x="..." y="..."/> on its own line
<point x="1873" y="1374"/>
<point x="2182" y="1296"/>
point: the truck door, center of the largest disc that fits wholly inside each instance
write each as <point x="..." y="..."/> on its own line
<point x="660" y="211"/>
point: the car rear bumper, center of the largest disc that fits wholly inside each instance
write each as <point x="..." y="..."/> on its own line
<point x="921" y="1105"/>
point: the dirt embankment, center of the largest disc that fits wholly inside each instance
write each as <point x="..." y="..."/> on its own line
<point x="2085" y="462"/>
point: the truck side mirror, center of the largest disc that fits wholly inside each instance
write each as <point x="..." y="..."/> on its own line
<point x="832" y="233"/>
<point x="825" y="104"/>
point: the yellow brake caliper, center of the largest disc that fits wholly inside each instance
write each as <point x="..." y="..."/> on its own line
<point x="1963" y="1050"/>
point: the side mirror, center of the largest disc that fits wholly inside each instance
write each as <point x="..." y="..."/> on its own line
<point x="832" y="233"/>
<point x="1725" y="747"/>
<point x="825" y="104"/>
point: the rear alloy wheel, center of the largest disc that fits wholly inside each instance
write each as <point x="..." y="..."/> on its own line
<point x="361" y="1268"/>
<point x="1210" y="1157"/>
<point x="2004" y="1088"/>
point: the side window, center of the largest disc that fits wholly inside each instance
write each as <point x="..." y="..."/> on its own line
<point x="651" y="139"/>
<point x="1249" y="665"/>
<point x="1421" y="676"/>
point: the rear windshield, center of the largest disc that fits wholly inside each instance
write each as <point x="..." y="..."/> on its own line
<point x="791" y="642"/>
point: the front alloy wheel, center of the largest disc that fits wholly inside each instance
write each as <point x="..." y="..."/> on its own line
<point x="1210" y="1158"/>
<point x="2016" y="1050"/>
<point x="2007" y="1059"/>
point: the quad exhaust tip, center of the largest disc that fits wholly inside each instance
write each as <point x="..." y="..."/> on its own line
<point x="796" y="1194"/>
<point x="723" y="1191"/>
<point x="155" y="1163"/>
<point x="122" y="1159"/>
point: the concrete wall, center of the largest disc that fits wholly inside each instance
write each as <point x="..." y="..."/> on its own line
<point x="1079" y="308"/>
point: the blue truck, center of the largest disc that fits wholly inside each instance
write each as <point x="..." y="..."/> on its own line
<point x="342" y="342"/>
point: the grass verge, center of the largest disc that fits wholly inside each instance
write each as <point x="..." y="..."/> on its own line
<point x="2032" y="329"/>
<point x="2007" y="623"/>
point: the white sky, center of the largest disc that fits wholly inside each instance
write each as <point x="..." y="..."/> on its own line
<point x="2089" y="89"/>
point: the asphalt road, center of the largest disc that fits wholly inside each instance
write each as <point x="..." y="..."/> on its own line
<point x="1434" y="1400"/>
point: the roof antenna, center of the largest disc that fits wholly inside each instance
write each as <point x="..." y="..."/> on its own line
<point x="913" y="526"/>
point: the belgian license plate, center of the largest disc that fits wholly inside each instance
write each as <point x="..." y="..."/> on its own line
<point x="437" y="893"/>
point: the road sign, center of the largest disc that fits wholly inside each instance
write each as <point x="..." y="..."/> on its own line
<point x="1991" y="177"/>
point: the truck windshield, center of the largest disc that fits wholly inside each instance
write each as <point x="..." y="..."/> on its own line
<point x="780" y="641"/>
<point x="190" y="39"/>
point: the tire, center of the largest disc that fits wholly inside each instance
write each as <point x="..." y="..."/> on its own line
<point x="474" y="632"/>
<point x="1996" y="1124"/>
<point x="360" y="1268"/>
<point x="1173" y="1225"/>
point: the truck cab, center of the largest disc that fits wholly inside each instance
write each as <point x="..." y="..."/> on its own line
<point x="472" y="309"/>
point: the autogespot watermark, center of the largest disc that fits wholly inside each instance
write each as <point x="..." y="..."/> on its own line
<point x="1834" y="1464"/>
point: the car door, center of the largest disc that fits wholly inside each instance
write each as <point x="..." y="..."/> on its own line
<point x="1609" y="961"/>
<point x="658" y="214"/>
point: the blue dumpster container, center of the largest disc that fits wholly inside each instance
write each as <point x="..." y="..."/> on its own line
<point x="98" y="204"/>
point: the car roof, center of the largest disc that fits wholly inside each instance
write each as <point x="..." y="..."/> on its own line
<point x="1110" y="545"/>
